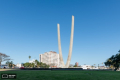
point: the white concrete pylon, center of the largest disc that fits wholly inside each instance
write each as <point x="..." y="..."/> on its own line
<point x="71" y="43"/>
<point x="59" y="46"/>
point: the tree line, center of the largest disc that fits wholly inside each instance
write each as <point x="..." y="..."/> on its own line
<point x="10" y="64"/>
<point x="114" y="61"/>
<point x="36" y="64"/>
<point x="4" y="57"/>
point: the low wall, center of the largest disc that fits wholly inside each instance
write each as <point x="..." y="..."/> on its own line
<point x="8" y="69"/>
<point x="98" y="69"/>
<point x="66" y="69"/>
<point x="52" y="69"/>
<point x="56" y="69"/>
<point x="36" y="69"/>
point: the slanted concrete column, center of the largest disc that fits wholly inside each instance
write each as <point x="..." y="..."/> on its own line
<point x="59" y="46"/>
<point x="71" y="43"/>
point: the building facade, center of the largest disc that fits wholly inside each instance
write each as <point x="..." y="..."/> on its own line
<point x="4" y="66"/>
<point x="86" y="66"/>
<point x="77" y="64"/>
<point x="32" y="61"/>
<point x="51" y="58"/>
<point x="19" y="65"/>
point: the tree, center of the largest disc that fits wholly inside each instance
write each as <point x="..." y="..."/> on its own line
<point x="32" y="64"/>
<point x="3" y="57"/>
<point x="37" y="63"/>
<point x="114" y="61"/>
<point x="26" y="64"/>
<point x="119" y="51"/>
<point x="10" y="64"/>
<point x="75" y="66"/>
<point x="7" y="63"/>
<point x="29" y="57"/>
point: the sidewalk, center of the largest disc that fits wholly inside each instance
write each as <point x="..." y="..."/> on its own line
<point x="8" y="69"/>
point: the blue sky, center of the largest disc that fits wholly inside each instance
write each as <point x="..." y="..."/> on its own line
<point x="29" y="27"/>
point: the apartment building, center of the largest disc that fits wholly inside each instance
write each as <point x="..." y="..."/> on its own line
<point x="50" y="58"/>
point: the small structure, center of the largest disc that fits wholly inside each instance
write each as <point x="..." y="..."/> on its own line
<point x="4" y="66"/>
<point x="86" y="66"/>
<point x="102" y="67"/>
<point x="32" y="61"/>
<point x="95" y="68"/>
<point x="76" y="64"/>
<point x="19" y="65"/>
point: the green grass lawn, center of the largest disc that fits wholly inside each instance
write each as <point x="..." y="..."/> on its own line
<point x="64" y="75"/>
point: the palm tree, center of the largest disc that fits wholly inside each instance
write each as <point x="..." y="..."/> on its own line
<point x="29" y="58"/>
<point x="92" y="66"/>
<point x="37" y="63"/>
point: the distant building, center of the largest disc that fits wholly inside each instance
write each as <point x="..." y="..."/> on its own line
<point x="76" y="63"/>
<point x="32" y="61"/>
<point x="51" y="58"/>
<point x="89" y="67"/>
<point x="86" y="66"/>
<point x="95" y="68"/>
<point x="19" y="65"/>
<point x="71" y="65"/>
<point x="4" y="65"/>
<point x="102" y="67"/>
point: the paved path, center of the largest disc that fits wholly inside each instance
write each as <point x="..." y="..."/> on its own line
<point x="8" y="69"/>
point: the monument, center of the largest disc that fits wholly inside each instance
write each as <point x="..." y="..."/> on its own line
<point x="70" y="47"/>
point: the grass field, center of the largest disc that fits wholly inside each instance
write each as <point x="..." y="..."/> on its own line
<point x="64" y="75"/>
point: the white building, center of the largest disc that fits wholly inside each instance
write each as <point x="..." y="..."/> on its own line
<point x="32" y="61"/>
<point x="4" y="65"/>
<point x="19" y="65"/>
<point x="86" y="66"/>
<point x="50" y="58"/>
<point x="95" y="68"/>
